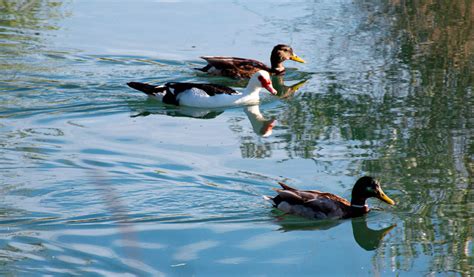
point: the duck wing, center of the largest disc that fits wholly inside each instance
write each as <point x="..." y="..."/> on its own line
<point x="310" y="203"/>
<point x="329" y="205"/>
<point x="234" y="67"/>
<point x="305" y="195"/>
<point x="209" y="89"/>
<point x="169" y="92"/>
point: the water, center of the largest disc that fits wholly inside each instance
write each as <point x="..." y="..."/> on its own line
<point x="96" y="179"/>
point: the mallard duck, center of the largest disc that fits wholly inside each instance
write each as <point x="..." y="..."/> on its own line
<point x="320" y="205"/>
<point x="208" y="95"/>
<point x="244" y="68"/>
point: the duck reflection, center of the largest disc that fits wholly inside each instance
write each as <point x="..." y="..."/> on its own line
<point x="261" y="125"/>
<point x="181" y="111"/>
<point x="367" y="238"/>
<point x="278" y="83"/>
<point x="283" y="90"/>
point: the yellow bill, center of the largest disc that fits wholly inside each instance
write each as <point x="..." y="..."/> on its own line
<point x="297" y="59"/>
<point x="382" y="196"/>
<point x="297" y="86"/>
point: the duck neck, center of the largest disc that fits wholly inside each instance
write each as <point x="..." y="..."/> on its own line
<point x="359" y="203"/>
<point x="251" y="89"/>
<point x="277" y="64"/>
<point x="254" y="114"/>
<point x="256" y="118"/>
<point x="249" y="96"/>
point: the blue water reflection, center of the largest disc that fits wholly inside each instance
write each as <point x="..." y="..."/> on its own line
<point x="96" y="179"/>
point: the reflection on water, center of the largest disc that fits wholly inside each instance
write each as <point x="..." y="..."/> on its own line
<point x="286" y="91"/>
<point x="152" y="106"/>
<point x="388" y="91"/>
<point x="25" y="27"/>
<point x="367" y="238"/>
<point x="260" y="125"/>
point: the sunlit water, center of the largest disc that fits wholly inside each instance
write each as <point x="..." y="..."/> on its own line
<point x="96" y="178"/>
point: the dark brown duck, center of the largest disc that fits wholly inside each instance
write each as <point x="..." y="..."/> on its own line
<point x="242" y="68"/>
<point x="319" y="205"/>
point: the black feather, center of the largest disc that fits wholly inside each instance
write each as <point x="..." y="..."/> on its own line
<point x="204" y="69"/>
<point x="146" y="88"/>
<point x="170" y="91"/>
<point x="210" y="89"/>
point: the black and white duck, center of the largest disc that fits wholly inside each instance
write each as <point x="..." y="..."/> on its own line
<point x="208" y="95"/>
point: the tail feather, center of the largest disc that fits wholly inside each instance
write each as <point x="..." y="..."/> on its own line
<point x="285" y="186"/>
<point x="204" y="69"/>
<point x="269" y="199"/>
<point x="146" y="88"/>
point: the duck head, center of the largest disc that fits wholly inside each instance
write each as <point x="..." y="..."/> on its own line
<point x="281" y="53"/>
<point x="261" y="79"/>
<point x="367" y="187"/>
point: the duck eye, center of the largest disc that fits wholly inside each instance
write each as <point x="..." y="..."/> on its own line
<point x="370" y="189"/>
<point x="263" y="81"/>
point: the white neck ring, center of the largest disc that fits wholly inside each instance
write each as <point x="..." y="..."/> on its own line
<point x="359" y="206"/>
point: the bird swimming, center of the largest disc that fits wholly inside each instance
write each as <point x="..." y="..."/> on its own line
<point x="208" y="95"/>
<point x="241" y="68"/>
<point x="320" y="205"/>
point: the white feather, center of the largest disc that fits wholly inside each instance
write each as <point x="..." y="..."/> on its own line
<point x="269" y="199"/>
<point x="200" y="99"/>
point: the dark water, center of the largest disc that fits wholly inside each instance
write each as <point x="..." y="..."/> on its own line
<point x="96" y="179"/>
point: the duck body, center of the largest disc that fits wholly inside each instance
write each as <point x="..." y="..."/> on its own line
<point x="207" y="95"/>
<point x="242" y="68"/>
<point x="233" y="67"/>
<point x="322" y="205"/>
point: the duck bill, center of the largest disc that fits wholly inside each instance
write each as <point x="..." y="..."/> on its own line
<point x="297" y="59"/>
<point x="297" y="86"/>
<point x="382" y="196"/>
<point x="270" y="88"/>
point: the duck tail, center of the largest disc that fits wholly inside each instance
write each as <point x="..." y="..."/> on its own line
<point x="269" y="199"/>
<point x="204" y="69"/>
<point x="146" y="88"/>
<point x="286" y="187"/>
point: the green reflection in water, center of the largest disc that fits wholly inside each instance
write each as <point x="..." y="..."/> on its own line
<point x="435" y="132"/>
<point x="408" y="122"/>
<point x="418" y="137"/>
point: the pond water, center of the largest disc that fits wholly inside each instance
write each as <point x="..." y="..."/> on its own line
<point x="97" y="179"/>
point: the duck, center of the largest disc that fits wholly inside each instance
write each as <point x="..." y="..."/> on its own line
<point x="241" y="68"/>
<point x="323" y="205"/>
<point x="201" y="95"/>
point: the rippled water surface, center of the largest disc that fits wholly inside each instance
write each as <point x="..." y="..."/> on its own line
<point x="97" y="179"/>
